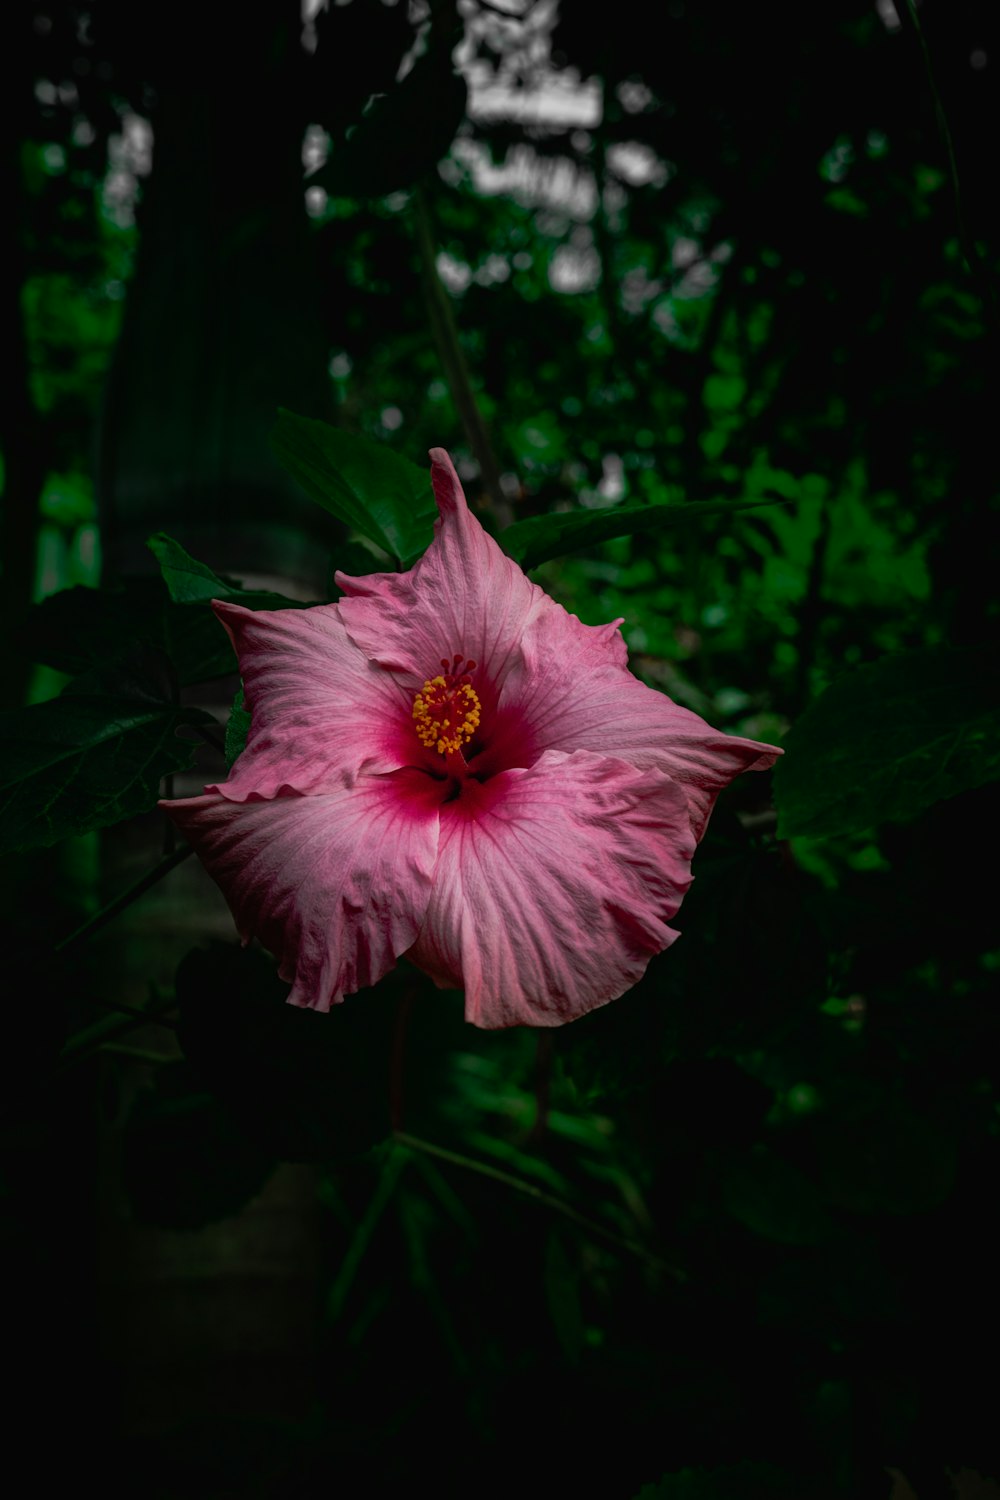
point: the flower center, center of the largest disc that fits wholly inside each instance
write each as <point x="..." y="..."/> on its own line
<point x="446" y="711"/>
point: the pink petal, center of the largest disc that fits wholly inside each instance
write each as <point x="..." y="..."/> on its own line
<point x="318" y="706"/>
<point x="336" y="885"/>
<point x="464" y="595"/>
<point x="562" y="694"/>
<point x="553" y="888"/>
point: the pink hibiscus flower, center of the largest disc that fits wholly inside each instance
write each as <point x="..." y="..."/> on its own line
<point x="446" y="764"/>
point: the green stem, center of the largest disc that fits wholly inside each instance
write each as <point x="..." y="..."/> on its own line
<point x="108" y="913"/>
<point x="104" y="1033"/>
<point x="445" y="332"/>
<point x="547" y="1200"/>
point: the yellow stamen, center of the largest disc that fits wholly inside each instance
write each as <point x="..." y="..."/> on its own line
<point x="446" y="713"/>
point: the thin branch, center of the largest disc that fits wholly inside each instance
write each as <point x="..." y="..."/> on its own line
<point x="969" y="252"/>
<point x="547" y="1200"/>
<point x="445" y="332"/>
<point x="108" y="913"/>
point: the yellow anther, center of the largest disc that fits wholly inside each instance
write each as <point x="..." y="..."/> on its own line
<point x="446" y="713"/>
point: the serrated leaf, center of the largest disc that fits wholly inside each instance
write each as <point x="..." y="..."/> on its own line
<point x="889" y="740"/>
<point x="237" y="730"/>
<point x="543" y="537"/>
<point x="373" y="490"/>
<point x="89" y="758"/>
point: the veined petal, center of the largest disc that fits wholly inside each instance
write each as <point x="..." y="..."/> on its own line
<point x="318" y="706"/>
<point x="336" y="884"/>
<point x="464" y="595"/>
<point x="560" y="696"/>
<point x="553" y="887"/>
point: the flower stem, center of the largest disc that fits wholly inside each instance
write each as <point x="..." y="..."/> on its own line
<point x="547" y="1200"/>
<point x="139" y="888"/>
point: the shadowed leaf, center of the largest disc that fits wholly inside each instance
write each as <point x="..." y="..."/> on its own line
<point x="89" y="758"/>
<point x="374" y="490"/>
<point x="543" y="537"/>
<point x="889" y="740"/>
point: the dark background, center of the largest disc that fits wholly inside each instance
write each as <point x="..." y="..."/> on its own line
<point x="702" y="252"/>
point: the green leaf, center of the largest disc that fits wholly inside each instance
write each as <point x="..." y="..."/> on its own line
<point x="89" y="758"/>
<point x="890" y="739"/>
<point x="189" y="581"/>
<point x="237" y="729"/>
<point x="196" y="643"/>
<point x="372" y="489"/>
<point x="405" y="132"/>
<point x="745" y="1481"/>
<point x="80" y="629"/>
<point x="543" y="537"/>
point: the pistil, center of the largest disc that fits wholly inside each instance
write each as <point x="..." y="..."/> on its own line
<point x="447" y="710"/>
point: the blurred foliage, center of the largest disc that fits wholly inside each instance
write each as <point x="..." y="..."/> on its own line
<point x="730" y="1235"/>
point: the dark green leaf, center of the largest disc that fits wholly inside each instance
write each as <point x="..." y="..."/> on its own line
<point x="189" y="581"/>
<point x="374" y="490"/>
<point x="746" y="1481"/>
<point x="889" y="740"/>
<point x="237" y="729"/>
<point x="405" y="132"/>
<point x="775" y="1199"/>
<point x="543" y="537"/>
<point x="306" y="1086"/>
<point x="196" y="643"/>
<point x="91" y="757"/>
<point x="186" y="1160"/>
<point x="359" y="52"/>
<point x="79" y="629"/>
